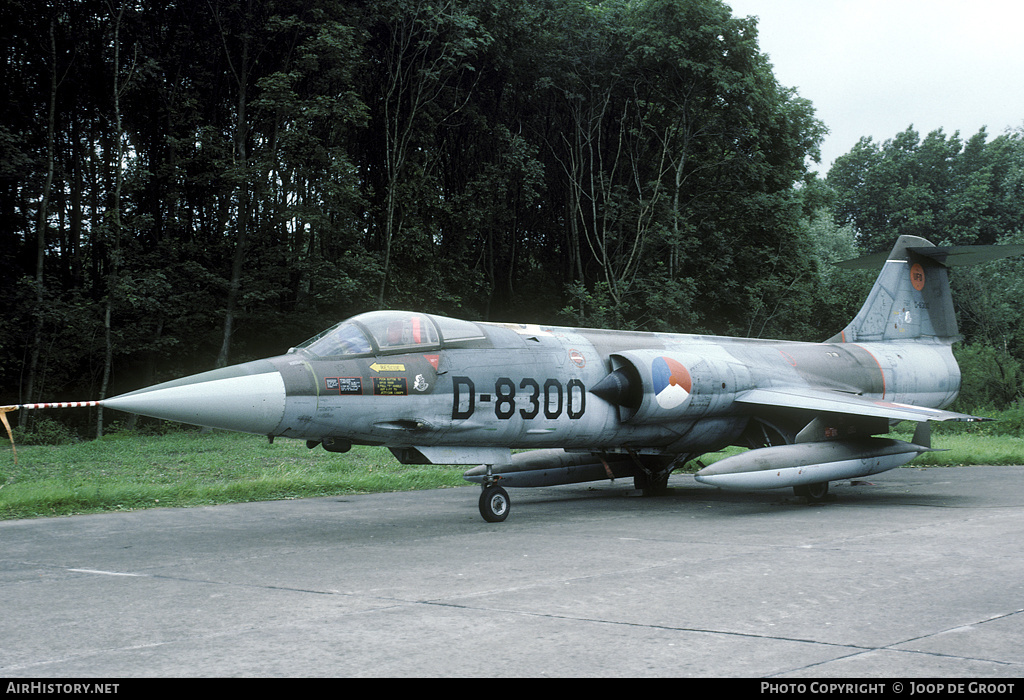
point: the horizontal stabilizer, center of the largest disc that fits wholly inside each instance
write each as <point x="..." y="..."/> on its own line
<point x="948" y="256"/>
<point x="824" y="401"/>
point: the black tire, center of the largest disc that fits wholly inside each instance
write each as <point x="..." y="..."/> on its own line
<point x="494" y="504"/>
<point x="814" y="493"/>
<point x="651" y="485"/>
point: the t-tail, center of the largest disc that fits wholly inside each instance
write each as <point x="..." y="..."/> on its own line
<point x="911" y="299"/>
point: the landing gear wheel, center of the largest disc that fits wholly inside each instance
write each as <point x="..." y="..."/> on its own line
<point x="494" y="504"/>
<point x="814" y="493"/>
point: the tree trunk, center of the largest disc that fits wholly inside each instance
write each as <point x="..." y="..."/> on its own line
<point x="108" y="359"/>
<point x="241" y="232"/>
<point x="44" y="201"/>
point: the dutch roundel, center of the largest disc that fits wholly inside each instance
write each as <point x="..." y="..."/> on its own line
<point x="672" y="384"/>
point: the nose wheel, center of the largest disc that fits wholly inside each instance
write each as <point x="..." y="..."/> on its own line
<point x="494" y="504"/>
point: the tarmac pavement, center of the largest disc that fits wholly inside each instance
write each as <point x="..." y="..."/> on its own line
<point x="917" y="574"/>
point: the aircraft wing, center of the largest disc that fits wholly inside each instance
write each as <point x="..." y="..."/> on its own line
<point x="819" y="400"/>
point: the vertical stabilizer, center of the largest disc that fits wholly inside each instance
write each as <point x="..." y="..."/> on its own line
<point x="910" y="300"/>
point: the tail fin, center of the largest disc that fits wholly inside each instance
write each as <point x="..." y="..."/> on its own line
<point x="911" y="299"/>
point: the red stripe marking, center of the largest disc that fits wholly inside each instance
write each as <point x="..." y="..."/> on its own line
<point x="880" y="370"/>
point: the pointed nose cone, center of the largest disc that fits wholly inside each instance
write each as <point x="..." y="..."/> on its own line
<point x="248" y="398"/>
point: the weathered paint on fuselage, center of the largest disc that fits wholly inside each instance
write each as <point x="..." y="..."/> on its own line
<point x="530" y="387"/>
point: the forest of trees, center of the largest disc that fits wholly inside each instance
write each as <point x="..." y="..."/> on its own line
<point x="185" y="185"/>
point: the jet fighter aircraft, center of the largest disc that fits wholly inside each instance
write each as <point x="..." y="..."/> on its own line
<point x="588" y="404"/>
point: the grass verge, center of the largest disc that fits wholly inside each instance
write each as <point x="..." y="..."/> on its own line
<point x="190" y="468"/>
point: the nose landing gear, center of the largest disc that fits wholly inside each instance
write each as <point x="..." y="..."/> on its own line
<point x="494" y="501"/>
<point x="494" y="504"/>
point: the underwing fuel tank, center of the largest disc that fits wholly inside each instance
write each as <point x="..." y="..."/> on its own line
<point x="554" y="467"/>
<point x="808" y="463"/>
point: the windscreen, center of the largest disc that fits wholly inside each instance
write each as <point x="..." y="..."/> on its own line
<point x="346" y="338"/>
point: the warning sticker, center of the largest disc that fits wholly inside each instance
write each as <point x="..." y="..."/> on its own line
<point x="344" y="385"/>
<point x="390" y="386"/>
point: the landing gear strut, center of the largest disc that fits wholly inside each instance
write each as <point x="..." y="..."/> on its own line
<point x="651" y="476"/>
<point x="651" y="483"/>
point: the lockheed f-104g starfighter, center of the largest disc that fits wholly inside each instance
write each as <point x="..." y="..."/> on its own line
<point x="532" y="405"/>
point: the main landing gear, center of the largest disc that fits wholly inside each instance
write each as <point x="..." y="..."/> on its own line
<point x="651" y="483"/>
<point x="814" y="493"/>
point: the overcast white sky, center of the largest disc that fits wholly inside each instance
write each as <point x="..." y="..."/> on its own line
<point x="874" y="67"/>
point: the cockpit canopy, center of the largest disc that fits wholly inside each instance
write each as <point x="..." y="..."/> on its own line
<point x="389" y="332"/>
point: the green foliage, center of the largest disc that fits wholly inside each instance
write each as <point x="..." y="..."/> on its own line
<point x="838" y="293"/>
<point x="990" y="378"/>
<point x="295" y="162"/>
<point x="968" y="449"/>
<point x="46" y="431"/>
<point x="1008" y="422"/>
<point x="940" y="188"/>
